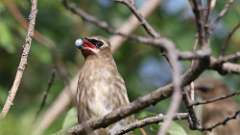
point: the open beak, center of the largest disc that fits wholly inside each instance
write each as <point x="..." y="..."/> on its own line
<point x="85" y="46"/>
<point x="83" y="43"/>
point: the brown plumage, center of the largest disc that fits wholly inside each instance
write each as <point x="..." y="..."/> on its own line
<point x="216" y="112"/>
<point x="101" y="88"/>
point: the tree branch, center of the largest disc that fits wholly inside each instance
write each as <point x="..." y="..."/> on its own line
<point x="224" y="11"/>
<point x="226" y="43"/>
<point x="46" y="92"/>
<point x="224" y="67"/>
<point x="215" y="99"/>
<point x="147" y="121"/>
<point x="224" y="122"/>
<point x="148" y="28"/>
<point x="23" y="62"/>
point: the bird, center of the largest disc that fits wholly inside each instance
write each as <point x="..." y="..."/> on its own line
<point x="216" y="112"/>
<point x="101" y="89"/>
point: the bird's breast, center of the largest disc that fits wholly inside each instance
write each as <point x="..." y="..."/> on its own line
<point x="103" y="89"/>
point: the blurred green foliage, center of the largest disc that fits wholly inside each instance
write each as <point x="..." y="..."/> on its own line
<point x="140" y="65"/>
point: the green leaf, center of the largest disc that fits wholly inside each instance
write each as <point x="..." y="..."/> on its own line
<point x="176" y="129"/>
<point x="6" y="38"/>
<point x="70" y="119"/>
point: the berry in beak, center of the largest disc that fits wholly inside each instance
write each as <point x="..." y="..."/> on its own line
<point x="84" y="43"/>
<point x="79" y="43"/>
<point x="86" y="46"/>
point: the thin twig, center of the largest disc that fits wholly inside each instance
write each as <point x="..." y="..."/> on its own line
<point x="230" y="58"/>
<point x="208" y="12"/>
<point x="189" y="98"/>
<point x="192" y="118"/>
<point x="23" y="61"/>
<point x="201" y="20"/>
<point x="223" y="12"/>
<point x="226" y="43"/>
<point x="148" y="28"/>
<point x="45" y="94"/>
<point x="177" y="96"/>
<point x="228" y="67"/>
<point x="224" y="122"/>
<point x="147" y="121"/>
<point x="39" y="37"/>
<point x="224" y="67"/>
<point x="215" y="99"/>
<point x="194" y="55"/>
<point x="200" y="23"/>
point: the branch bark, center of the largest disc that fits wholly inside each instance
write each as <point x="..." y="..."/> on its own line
<point x="23" y="61"/>
<point x="147" y="121"/>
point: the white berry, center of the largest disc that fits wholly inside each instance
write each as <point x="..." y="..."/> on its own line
<point x="79" y="42"/>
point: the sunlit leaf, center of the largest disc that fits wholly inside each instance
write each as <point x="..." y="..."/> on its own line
<point x="176" y="129"/>
<point x="6" y="39"/>
<point x="70" y="119"/>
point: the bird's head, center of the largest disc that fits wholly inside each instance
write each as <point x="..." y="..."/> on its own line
<point x="91" y="45"/>
<point x="209" y="88"/>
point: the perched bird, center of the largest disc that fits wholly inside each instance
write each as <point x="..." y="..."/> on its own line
<point x="216" y="112"/>
<point x="101" y="89"/>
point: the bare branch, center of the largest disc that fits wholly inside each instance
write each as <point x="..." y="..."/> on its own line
<point x="147" y="121"/>
<point x="192" y="118"/>
<point x="61" y="104"/>
<point x="225" y="121"/>
<point x="199" y="54"/>
<point x="224" y="67"/>
<point x="132" y="23"/>
<point x="45" y="94"/>
<point x="23" y="62"/>
<point x="226" y="43"/>
<point x="229" y="58"/>
<point x="200" y="23"/>
<point x="87" y="17"/>
<point x="177" y="96"/>
<point x="215" y="99"/>
<point x="229" y="68"/>
<point x="148" y="28"/>
<point x="224" y="11"/>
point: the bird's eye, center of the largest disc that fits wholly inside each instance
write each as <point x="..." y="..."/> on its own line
<point x="203" y="88"/>
<point x="97" y="43"/>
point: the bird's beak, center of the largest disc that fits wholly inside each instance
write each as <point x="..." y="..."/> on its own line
<point x="83" y="43"/>
<point x="86" y="47"/>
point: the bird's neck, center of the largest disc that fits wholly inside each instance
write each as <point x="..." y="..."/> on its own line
<point x="102" y="58"/>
